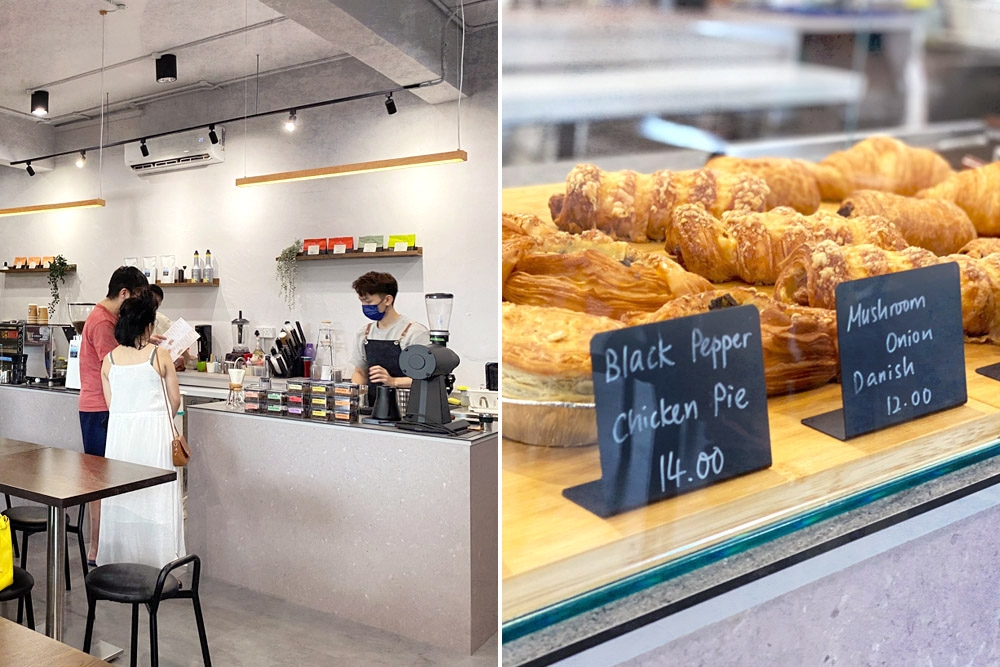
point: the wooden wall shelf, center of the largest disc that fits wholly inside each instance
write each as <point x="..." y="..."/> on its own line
<point x="214" y="283"/>
<point x="381" y="254"/>
<point x="12" y="271"/>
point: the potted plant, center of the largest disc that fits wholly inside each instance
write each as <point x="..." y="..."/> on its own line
<point x="58" y="268"/>
<point x="287" y="272"/>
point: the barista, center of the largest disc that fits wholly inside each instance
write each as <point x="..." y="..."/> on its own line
<point x="378" y="343"/>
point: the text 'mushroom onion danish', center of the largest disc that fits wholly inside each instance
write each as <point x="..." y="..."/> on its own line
<point x="751" y="246"/>
<point x="638" y="207"/>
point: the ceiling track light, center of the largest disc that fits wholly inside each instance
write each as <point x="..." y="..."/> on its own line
<point x="30" y="169"/>
<point x="82" y="160"/>
<point x="212" y="135"/>
<point x="390" y="106"/>
<point x="166" y="68"/>
<point x="143" y="148"/>
<point x="40" y="103"/>
<point x="290" y="123"/>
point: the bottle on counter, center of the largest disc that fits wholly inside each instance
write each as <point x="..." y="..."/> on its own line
<point x="180" y="273"/>
<point x="196" y="268"/>
<point x="208" y="271"/>
<point x="322" y="367"/>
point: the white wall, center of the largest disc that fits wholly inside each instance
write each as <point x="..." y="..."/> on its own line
<point x="451" y="208"/>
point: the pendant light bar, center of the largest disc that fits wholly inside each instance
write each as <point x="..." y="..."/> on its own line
<point x="355" y="168"/>
<point x="42" y="208"/>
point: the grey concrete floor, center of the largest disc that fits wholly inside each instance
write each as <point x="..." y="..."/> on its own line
<point x="245" y="629"/>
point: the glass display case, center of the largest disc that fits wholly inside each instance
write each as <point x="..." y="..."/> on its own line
<point x="563" y="561"/>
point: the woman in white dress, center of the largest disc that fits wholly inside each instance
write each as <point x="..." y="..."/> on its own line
<point x="144" y="526"/>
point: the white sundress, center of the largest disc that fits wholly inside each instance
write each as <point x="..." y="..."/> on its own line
<point x="144" y="526"/>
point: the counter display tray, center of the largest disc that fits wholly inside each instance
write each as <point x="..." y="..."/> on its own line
<point x="554" y="551"/>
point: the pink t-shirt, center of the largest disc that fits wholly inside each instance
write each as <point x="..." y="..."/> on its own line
<point x="98" y="340"/>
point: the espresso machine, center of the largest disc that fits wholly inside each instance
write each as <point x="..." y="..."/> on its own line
<point x="430" y="367"/>
<point x="13" y="362"/>
<point x="78" y="313"/>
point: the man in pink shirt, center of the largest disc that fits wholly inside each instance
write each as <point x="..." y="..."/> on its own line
<point x="98" y="340"/>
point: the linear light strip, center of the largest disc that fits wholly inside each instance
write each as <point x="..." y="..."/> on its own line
<point x="356" y="168"/>
<point x="42" y="208"/>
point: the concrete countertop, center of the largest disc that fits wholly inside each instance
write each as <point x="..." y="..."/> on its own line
<point x="469" y="437"/>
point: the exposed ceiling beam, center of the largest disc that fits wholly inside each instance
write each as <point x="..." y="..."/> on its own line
<point x="336" y="25"/>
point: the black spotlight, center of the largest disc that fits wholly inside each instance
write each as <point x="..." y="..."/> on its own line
<point x="212" y="136"/>
<point x="166" y="68"/>
<point x="30" y="169"/>
<point x="390" y="106"/>
<point x="40" y="102"/>
<point x="143" y="148"/>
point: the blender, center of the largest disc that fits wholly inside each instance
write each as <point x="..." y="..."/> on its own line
<point x="430" y="367"/>
<point x="78" y="313"/>
<point x="241" y="336"/>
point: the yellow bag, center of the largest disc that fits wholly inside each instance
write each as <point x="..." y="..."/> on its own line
<point x="6" y="553"/>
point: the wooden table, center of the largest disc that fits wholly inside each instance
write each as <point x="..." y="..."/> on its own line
<point x="61" y="478"/>
<point x="27" y="648"/>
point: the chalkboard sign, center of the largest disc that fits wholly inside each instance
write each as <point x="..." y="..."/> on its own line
<point x="902" y="351"/>
<point x="681" y="404"/>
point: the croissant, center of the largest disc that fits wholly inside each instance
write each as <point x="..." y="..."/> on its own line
<point x="934" y="224"/>
<point x="638" y="207"/>
<point x="975" y="191"/>
<point x="546" y="352"/>
<point x="879" y="163"/>
<point x="811" y="275"/>
<point x="791" y="181"/>
<point x="592" y="282"/>
<point x="525" y="233"/>
<point x="800" y="343"/>
<point x="980" y="248"/>
<point x="751" y="246"/>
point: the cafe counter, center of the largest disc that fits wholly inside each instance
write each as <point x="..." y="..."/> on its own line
<point x="392" y="529"/>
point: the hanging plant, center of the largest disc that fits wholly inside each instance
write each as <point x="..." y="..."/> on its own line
<point x="287" y="272"/>
<point x="57" y="276"/>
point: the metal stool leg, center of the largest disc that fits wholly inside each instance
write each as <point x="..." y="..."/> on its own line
<point x="29" y="610"/>
<point x="135" y="633"/>
<point x="89" y="633"/>
<point x="202" y="637"/>
<point x="154" y="652"/>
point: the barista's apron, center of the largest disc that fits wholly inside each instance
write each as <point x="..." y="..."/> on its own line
<point x="384" y="353"/>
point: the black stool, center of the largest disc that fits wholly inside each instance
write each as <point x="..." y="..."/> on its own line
<point x="136" y="584"/>
<point x="31" y="519"/>
<point x="20" y="590"/>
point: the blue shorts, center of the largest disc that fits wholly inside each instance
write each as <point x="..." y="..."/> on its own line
<point x="95" y="432"/>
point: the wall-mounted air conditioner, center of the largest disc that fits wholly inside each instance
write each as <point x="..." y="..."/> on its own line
<point x="182" y="150"/>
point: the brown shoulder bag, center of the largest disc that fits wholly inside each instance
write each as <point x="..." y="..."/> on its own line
<point x="178" y="446"/>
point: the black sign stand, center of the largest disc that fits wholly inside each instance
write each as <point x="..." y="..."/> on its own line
<point x="902" y="352"/>
<point x="681" y="405"/>
<point x="992" y="371"/>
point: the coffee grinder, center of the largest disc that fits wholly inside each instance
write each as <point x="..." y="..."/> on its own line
<point x="430" y="368"/>
<point x="78" y="313"/>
